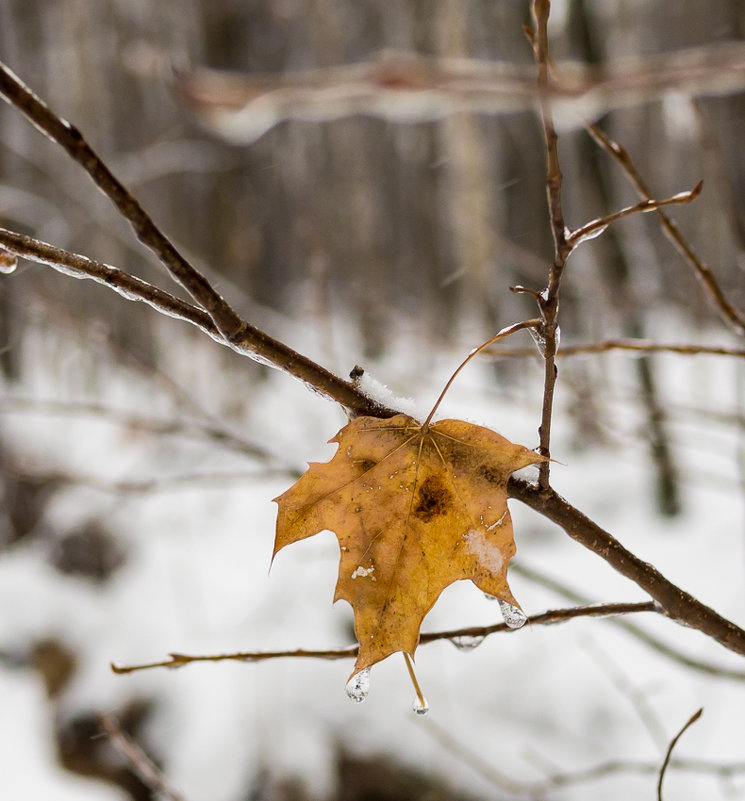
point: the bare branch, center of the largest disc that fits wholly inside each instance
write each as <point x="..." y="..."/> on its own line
<point x="407" y="86"/>
<point x="139" y="761"/>
<point x="484" y="766"/>
<point x="708" y="668"/>
<point x="544" y="619"/>
<point x="598" y="226"/>
<point x="124" y="284"/>
<point x="177" y="660"/>
<point x="548" y="300"/>
<point x="674" y="602"/>
<point x="732" y="316"/>
<point x="239" y="334"/>
<point x="153" y="484"/>
<point x="200" y="429"/>
<point x="632" y="345"/>
<point x="673" y="743"/>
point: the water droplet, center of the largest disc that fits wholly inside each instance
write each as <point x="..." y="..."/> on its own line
<point x="419" y="707"/>
<point x="8" y="262"/>
<point x="467" y="643"/>
<point x="490" y="597"/>
<point x="359" y="686"/>
<point x="513" y="617"/>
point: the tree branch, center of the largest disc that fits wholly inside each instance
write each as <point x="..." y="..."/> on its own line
<point x="544" y="619"/>
<point x="140" y="762"/>
<point x="239" y="334"/>
<point x="548" y="300"/>
<point x="596" y="227"/>
<point x="673" y="743"/>
<point x="732" y="316"/>
<point x="674" y="602"/>
<point x="632" y="345"/>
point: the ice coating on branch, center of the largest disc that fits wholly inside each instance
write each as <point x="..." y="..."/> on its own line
<point x="593" y="234"/>
<point x="467" y="643"/>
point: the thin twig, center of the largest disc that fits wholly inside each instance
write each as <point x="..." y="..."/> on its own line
<point x="403" y="85"/>
<point x="153" y="484"/>
<point x="638" y="345"/>
<point x="643" y="207"/>
<point x="550" y="617"/>
<point x="124" y="284"/>
<point x="732" y="316"/>
<point x="139" y="761"/>
<point x="630" y="690"/>
<point x="177" y="660"/>
<point x="476" y="760"/>
<point x="549" y="298"/>
<point x="694" y="717"/>
<point x="191" y="427"/>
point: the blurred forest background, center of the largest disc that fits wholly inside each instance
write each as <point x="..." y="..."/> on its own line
<point x="354" y="240"/>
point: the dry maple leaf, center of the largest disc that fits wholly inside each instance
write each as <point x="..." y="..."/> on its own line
<point x="415" y="508"/>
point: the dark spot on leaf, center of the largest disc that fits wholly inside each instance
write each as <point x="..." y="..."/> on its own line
<point x="433" y="498"/>
<point x="367" y="464"/>
<point x="490" y="474"/>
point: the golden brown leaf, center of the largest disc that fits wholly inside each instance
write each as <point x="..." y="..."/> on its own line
<point x="415" y="508"/>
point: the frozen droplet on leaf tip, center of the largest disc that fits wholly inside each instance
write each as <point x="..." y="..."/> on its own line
<point x="358" y="686"/>
<point x="420" y="706"/>
<point x="513" y="617"/>
<point x="467" y="643"/>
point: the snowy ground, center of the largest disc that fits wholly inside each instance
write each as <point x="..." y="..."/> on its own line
<point x="541" y="700"/>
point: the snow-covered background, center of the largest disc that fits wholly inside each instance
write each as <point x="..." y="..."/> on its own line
<point x="140" y="459"/>
<point x="196" y="579"/>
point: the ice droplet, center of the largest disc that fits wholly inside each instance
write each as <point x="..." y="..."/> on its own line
<point x="8" y="262"/>
<point x="490" y="597"/>
<point x="466" y="643"/>
<point x="421" y="707"/>
<point x="513" y="617"/>
<point x="539" y="339"/>
<point x="589" y="235"/>
<point x="359" y="686"/>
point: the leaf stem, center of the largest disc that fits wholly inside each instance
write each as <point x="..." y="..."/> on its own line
<point x="505" y="332"/>
<point x="414" y="681"/>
